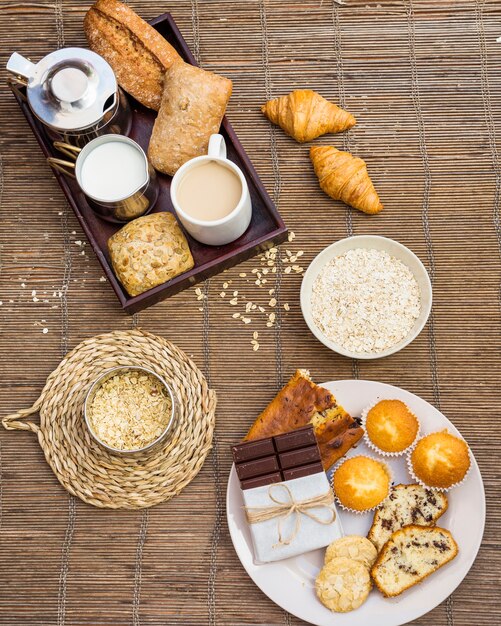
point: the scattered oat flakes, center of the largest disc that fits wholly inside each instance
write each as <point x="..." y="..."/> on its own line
<point x="102" y="279"/>
<point x="286" y="306"/>
<point x="242" y="274"/>
<point x="273" y="302"/>
<point x="222" y="294"/>
<point x="288" y="269"/>
<point x="45" y="330"/>
<point x="234" y="301"/>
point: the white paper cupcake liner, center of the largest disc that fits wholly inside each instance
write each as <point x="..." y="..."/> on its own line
<point x="373" y="446"/>
<point x="421" y="482"/>
<point x="367" y="456"/>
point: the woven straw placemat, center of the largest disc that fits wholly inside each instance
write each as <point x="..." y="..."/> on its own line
<point x="86" y="469"/>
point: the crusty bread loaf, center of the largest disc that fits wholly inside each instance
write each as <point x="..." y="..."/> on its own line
<point x="406" y="504"/>
<point x="138" y="54"/>
<point x="412" y="554"/>
<point x="193" y="105"/>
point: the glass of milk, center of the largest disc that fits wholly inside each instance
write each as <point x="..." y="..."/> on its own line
<point x="114" y="173"/>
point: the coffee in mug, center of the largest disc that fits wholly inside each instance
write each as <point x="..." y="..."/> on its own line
<point x="211" y="196"/>
<point x="209" y="192"/>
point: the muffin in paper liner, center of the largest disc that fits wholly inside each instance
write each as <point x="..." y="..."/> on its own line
<point x="366" y="456"/>
<point x="410" y="467"/>
<point x="367" y="440"/>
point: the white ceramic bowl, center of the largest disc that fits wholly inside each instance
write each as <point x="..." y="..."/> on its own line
<point x="374" y="242"/>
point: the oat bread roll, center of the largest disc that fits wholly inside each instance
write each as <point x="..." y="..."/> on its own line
<point x="138" y="54"/>
<point x="193" y="104"/>
<point x="149" y="251"/>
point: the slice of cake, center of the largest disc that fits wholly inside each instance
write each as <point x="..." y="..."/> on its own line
<point x="406" y="504"/>
<point x="301" y="402"/>
<point x="412" y="554"/>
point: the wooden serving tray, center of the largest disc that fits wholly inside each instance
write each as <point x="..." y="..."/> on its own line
<point x="266" y="228"/>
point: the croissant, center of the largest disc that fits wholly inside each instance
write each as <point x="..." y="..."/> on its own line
<point x="305" y="115"/>
<point x="344" y="177"/>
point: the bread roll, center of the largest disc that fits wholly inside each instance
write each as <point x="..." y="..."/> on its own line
<point x="138" y="54"/>
<point x="193" y="105"/>
<point x="149" y="251"/>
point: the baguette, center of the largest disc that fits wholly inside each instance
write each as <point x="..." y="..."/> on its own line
<point x="137" y="53"/>
<point x="410" y="556"/>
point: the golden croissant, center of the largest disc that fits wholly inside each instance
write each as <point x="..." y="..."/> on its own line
<point x="305" y="115"/>
<point x="344" y="177"/>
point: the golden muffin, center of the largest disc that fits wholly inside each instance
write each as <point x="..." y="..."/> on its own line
<point x="440" y="460"/>
<point x="361" y="483"/>
<point x="391" y="427"/>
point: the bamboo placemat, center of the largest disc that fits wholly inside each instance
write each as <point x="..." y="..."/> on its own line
<point x="423" y="79"/>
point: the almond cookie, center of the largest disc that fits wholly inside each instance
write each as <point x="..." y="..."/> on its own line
<point x="343" y="585"/>
<point x="352" y="547"/>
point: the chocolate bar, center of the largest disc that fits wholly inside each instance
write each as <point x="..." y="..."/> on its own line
<point x="274" y="459"/>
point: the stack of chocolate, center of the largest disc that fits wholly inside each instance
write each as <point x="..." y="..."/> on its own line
<point x="286" y="467"/>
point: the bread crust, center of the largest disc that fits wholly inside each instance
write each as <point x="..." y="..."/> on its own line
<point x="396" y="535"/>
<point x="138" y="54"/>
<point x="149" y="251"/>
<point x="193" y="105"/>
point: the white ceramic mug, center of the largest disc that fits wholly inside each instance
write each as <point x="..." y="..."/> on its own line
<point x="222" y="231"/>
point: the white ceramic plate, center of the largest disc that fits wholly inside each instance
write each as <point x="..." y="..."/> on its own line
<point x="374" y="242"/>
<point x="290" y="583"/>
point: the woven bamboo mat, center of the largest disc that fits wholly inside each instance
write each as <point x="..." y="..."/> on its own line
<point x="423" y="78"/>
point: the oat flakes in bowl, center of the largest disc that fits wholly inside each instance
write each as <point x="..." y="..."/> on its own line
<point x="129" y="409"/>
<point x="366" y="297"/>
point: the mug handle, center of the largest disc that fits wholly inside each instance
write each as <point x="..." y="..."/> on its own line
<point x="217" y="146"/>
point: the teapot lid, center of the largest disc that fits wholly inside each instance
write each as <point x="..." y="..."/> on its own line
<point x="69" y="89"/>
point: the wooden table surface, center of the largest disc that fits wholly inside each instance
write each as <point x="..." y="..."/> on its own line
<point x="423" y="79"/>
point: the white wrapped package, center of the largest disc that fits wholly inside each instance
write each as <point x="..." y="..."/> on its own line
<point x="296" y="523"/>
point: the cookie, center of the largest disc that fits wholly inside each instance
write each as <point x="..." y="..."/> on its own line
<point x="343" y="585"/>
<point x="352" y="547"/>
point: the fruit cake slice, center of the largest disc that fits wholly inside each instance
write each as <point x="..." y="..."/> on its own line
<point x="301" y="402"/>
<point x="406" y="504"/>
<point x="412" y="554"/>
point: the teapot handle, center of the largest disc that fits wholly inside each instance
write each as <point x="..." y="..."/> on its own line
<point x="20" y="66"/>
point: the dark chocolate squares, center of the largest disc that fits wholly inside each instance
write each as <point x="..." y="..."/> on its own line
<point x="284" y="457"/>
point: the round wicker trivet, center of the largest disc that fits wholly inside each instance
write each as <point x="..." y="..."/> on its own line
<point x="86" y="469"/>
